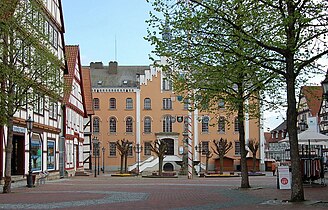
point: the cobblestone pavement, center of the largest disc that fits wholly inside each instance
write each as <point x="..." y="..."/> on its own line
<point x="105" y="192"/>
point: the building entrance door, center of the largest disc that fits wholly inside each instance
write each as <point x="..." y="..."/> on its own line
<point x="170" y="146"/>
<point x="18" y="155"/>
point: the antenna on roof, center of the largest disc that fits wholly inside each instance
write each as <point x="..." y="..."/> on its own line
<point x="115" y="49"/>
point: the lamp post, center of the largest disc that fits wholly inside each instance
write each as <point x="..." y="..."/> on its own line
<point x="324" y="85"/>
<point x="198" y="148"/>
<point x="138" y="149"/>
<point x="95" y="143"/>
<point x="29" y="126"/>
<point x="103" y="154"/>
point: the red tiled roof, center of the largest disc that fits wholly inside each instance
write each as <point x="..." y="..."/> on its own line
<point x="87" y="90"/>
<point x="313" y="96"/>
<point x="71" y="58"/>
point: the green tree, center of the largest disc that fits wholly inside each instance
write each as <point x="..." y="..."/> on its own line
<point x="28" y="68"/>
<point x="285" y="37"/>
<point x="222" y="147"/>
<point x="253" y="146"/>
<point x="159" y="147"/>
<point x="204" y="66"/>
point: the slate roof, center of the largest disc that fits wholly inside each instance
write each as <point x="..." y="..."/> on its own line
<point x="125" y="76"/>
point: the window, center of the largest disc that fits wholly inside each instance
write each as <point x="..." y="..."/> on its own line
<point x="36" y="154"/>
<point x="51" y="155"/>
<point x="205" y="124"/>
<point x="221" y="104"/>
<point x="96" y="103"/>
<point x="237" y="148"/>
<point x="112" y="103"/>
<point x="167" y="103"/>
<point x="236" y="124"/>
<point x="205" y="147"/>
<point x="147" y="103"/>
<point x="96" y="124"/>
<point x="129" y="103"/>
<point x="39" y="104"/>
<point x="185" y="104"/>
<point x="53" y="109"/>
<point x="112" y="125"/>
<point x="147" y="150"/>
<point x="112" y="149"/>
<point x="129" y="125"/>
<point x="166" y="84"/>
<point x="130" y="151"/>
<point x="221" y="125"/>
<point x="147" y="125"/>
<point x="167" y="123"/>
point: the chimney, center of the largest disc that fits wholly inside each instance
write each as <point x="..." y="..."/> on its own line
<point x="113" y="67"/>
<point x="96" y="65"/>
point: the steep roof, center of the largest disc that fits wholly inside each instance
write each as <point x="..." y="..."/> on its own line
<point x="87" y="90"/>
<point x="313" y="96"/>
<point x="71" y="57"/>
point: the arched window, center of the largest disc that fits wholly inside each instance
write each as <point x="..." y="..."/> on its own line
<point x="96" y="105"/>
<point x="221" y="125"/>
<point x="205" y="124"/>
<point x="129" y="125"/>
<point x="112" y="103"/>
<point x="147" y="103"/>
<point x="167" y="123"/>
<point x="236" y="124"/>
<point x="129" y="103"/>
<point x="96" y="123"/>
<point x="147" y="125"/>
<point x="112" y="125"/>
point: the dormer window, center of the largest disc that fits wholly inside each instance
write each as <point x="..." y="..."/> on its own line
<point x="99" y="83"/>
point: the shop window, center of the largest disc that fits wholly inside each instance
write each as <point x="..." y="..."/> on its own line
<point x="51" y="155"/>
<point x="36" y="153"/>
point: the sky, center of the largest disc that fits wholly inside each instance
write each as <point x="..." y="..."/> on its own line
<point x="96" y="25"/>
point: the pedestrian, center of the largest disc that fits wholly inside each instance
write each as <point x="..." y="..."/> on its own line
<point x="273" y="167"/>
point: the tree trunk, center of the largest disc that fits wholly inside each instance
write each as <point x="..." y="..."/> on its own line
<point x="8" y="150"/>
<point x="122" y="162"/>
<point x="297" y="193"/>
<point x="160" y="165"/>
<point x="243" y="152"/>
<point x="221" y="164"/>
<point x="206" y="167"/>
<point x="254" y="162"/>
<point x="126" y="163"/>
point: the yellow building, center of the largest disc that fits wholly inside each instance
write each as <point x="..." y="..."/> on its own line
<point x="137" y="103"/>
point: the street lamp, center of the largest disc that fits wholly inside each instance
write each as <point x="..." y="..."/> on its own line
<point x="138" y="149"/>
<point x="199" y="150"/>
<point x="29" y="126"/>
<point x="103" y="154"/>
<point x="324" y="85"/>
<point x="95" y="143"/>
